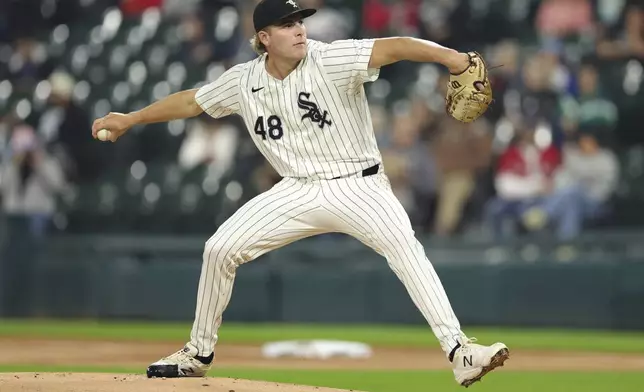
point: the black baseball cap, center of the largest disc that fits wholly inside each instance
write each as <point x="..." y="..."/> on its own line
<point x="270" y="12"/>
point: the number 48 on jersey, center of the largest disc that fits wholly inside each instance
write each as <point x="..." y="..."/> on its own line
<point x="274" y="125"/>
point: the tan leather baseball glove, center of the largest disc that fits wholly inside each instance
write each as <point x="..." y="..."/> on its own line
<point x="469" y="93"/>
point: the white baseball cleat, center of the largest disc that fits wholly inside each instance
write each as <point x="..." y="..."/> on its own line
<point x="473" y="361"/>
<point x="183" y="363"/>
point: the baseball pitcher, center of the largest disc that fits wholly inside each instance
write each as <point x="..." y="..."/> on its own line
<point x="305" y="108"/>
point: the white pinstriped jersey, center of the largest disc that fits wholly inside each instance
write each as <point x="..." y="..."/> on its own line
<point x="313" y="124"/>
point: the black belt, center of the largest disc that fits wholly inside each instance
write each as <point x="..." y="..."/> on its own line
<point x="370" y="171"/>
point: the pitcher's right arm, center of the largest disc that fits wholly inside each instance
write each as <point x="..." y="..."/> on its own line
<point x="219" y="98"/>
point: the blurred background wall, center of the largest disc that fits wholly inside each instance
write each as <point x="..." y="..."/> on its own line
<point x="533" y="215"/>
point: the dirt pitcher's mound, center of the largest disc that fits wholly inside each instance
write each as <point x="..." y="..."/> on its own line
<point x="96" y="382"/>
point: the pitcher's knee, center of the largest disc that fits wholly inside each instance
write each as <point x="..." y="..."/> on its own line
<point x="220" y="253"/>
<point x="405" y="250"/>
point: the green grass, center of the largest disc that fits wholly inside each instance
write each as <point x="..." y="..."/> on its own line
<point x="412" y="381"/>
<point x="401" y="336"/>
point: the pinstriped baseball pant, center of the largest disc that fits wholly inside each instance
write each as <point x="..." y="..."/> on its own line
<point x="363" y="207"/>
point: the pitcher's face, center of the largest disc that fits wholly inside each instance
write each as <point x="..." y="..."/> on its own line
<point x="286" y="40"/>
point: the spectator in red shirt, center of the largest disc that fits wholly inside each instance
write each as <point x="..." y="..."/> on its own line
<point x="524" y="174"/>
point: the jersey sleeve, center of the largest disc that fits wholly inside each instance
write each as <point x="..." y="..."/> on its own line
<point x="221" y="97"/>
<point x="347" y="62"/>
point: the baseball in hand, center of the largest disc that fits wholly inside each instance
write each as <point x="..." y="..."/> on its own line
<point x="103" y="135"/>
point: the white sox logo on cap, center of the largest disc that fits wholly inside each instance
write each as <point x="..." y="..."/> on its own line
<point x="291" y="2"/>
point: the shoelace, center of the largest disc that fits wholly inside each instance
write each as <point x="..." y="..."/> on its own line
<point x="182" y="354"/>
<point x="465" y="346"/>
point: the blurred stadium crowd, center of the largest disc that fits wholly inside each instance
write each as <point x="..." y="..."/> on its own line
<point x="559" y="152"/>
